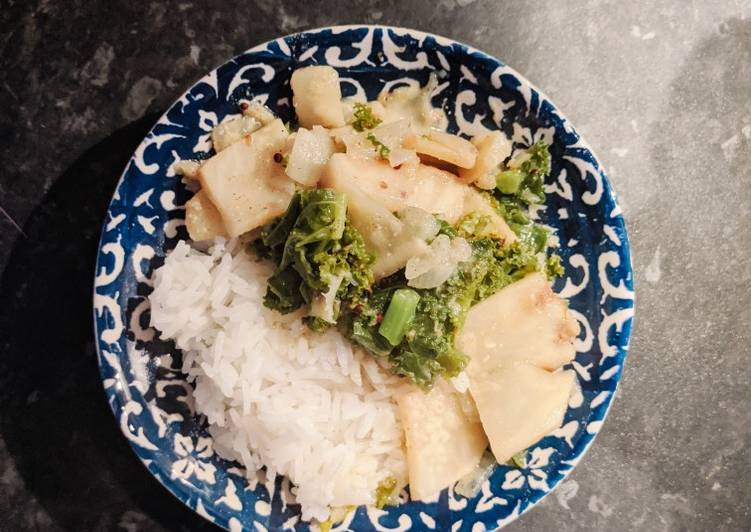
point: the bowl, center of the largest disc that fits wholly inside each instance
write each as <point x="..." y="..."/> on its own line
<point x="152" y="401"/>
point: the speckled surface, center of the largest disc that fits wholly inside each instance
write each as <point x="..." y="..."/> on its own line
<point x="662" y="92"/>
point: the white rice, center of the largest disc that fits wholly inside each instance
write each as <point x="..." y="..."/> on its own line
<point x="275" y="394"/>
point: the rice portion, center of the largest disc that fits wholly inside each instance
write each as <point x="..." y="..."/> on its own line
<point x="303" y="404"/>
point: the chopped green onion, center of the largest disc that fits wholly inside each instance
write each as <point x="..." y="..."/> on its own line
<point x="399" y="315"/>
<point x="509" y="181"/>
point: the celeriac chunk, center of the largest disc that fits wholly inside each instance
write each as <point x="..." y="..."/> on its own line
<point x="243" y="182"/>
<point x="524" y="322"/>
<point x="492" y="149"/>
<point x="259" y="112"/>
<point x="442" y="444"/>
<point x="519" y="404"/>
<point x="444" y="147"/>
<point x="385" y="235"/>
<point x="309" y="155"/>
<point x="202" y="219"/>
<point x="428" y="188"/>
<point x="317" y="97"/>
<point x="413" y="103"/>
<point x="232" y="130"/>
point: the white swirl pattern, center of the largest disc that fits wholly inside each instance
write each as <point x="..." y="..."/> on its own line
<point x="153" y="402"/>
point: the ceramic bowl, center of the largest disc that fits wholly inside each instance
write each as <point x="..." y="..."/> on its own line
<point x="151" y="400"/>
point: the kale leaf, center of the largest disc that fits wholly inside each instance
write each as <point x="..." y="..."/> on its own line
<point x="314" y="249"/>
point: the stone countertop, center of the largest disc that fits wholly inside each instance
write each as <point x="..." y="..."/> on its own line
<point x="662" y="92"/>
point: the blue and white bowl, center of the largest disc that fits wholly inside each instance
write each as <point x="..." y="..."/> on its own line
<point x="151" y="400"/>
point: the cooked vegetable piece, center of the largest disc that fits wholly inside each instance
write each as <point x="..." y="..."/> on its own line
<point x="202" y="219"/>
<point x="324" y="306"/>
<point x="309" y="155"/>
<point x="442" y="445"/>
<point x="523" y="322"/>
<point x="444" y="147"/>
<point x="441" y="260"/>
<point x="385" y="235"/>
<point x="258" y="111"/>
<point x="524" y="180"/>
<point x="519" y="404"/>
<point x="428" y="188"/>
<point x="471" y="483"/>
<point x="510" y="181"/>
<point x="399" y="315"/>
<point x="429" y="349"/>
<point x="320" y="258"/>
<point x="317" y="96"/>
<point x="492" y="149"/>
<point x="244" y="185"/>
<point x="231" y="130"/>
<point x="413" y="103"/>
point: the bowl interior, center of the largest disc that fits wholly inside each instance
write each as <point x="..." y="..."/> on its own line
<point x="151" y="399"/>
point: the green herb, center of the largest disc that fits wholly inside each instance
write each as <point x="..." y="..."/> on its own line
<point x="520" y="459"/>
<point x="285" y="160"/>
<point x="385" y="492"/>
<point x="364" y="117"/>
<point x="399" y="315"/>
<point x="382" y="150"/>
<point x="313" y="246"/>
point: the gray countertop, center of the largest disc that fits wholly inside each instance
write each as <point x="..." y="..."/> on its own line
<point x="661" y="91"/>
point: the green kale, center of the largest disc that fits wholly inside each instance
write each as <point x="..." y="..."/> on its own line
<point x="364" y="117"/>
<point x="518" y="189"/>
<point x="428" y="348"/>
<point x="381" y="149"/>
<point x="472" y="224"/>
<point x="526" y="182"/>
<point x="504" y="264"/>
<point x="314" y="247"/>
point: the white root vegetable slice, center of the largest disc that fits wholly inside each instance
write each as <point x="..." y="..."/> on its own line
<point x="443" y="445"/>
<point x="428" y="188"/>
<point x="260" y="112"/>
<point x="309" y="155"/>
<point x="232" y="130"/>
<point x="385" y="235"/>
<point x="524" y="322"/>
<point x="444" y="147"/>
<point x="317" y="97"/>
<point x="202" y="219"/>
<point x="243" y="182"/>
<point x="519" y="404"/>
<point x="492" y="149"/>
<point x="414" y="104"/>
